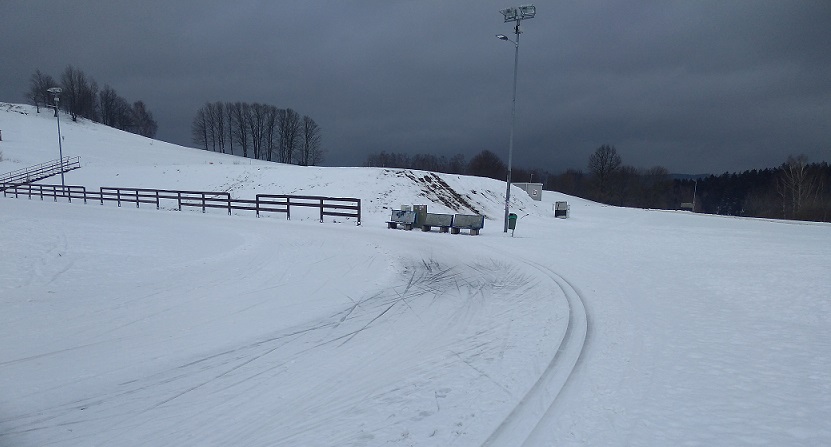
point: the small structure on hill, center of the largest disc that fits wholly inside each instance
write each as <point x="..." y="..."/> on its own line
<point x="561" y="210"/>
<point x="532" y="189"/>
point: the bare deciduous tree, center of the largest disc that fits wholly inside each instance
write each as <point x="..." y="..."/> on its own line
<point x="239" y="114"/>
<point x="143" y="120"/>
<point x="288" y="130"/>
<point x="217" y="115"/>
<point x="311" y="153"/>
<point x="271" y="134"/>
<point x="487" y="164"/>
<point x="229" y="126"/>
<point x="255" y="120"/>
<point x="456" y="164"/>
<point x="603" y="163"/>
<point x="199" y="128"/>
<point x="262" y="131"/>
<point x="795" y="185"/>
<point x="38" y="95"/>
<point x="114" y="110"/>
<point x="79" y="95"/>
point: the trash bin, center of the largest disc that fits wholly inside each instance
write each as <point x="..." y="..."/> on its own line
<point x="421" y="214"/>
<point x="512" y="221"/>
<point x="561" y="210"/>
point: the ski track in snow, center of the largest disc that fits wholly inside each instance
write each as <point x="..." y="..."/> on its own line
<point x="459" y="317"/>
<point x="141" y="327"/>
<point x="534" y="410"/>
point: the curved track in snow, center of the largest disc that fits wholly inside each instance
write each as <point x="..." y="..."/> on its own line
<point x="523" y="424"/>
<point x="397" y="342"/>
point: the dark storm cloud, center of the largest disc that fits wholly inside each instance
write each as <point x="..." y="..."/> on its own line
<point x="693" y="86"/>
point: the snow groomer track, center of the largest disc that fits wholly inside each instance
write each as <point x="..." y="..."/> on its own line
<point x="524" y="426"/>
<point x="398" y="342"/>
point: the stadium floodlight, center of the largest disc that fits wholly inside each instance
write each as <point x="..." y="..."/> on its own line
<point x="514" y="15"/>
<point x="510" y="14"/>
<point x="56" y="96"/>
<point x="527" y="11"/>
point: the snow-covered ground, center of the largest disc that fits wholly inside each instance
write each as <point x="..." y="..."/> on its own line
<point x="125" y="326"/>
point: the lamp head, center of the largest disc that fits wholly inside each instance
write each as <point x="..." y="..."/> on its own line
<point x="56" y="92"/>
<point x="527" y="11"/>
<point x="520" y="13"/>
<point x="510" y="14"/>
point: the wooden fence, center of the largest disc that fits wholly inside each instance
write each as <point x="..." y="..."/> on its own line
<point x="262" y="203"/>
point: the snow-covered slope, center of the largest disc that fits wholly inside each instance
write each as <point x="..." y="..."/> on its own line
<point x="110" y="157"/>
<point x="124" y="326"/>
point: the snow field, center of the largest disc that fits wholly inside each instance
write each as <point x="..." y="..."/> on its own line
<point x="139" y="348"/>
<point x="141" y="327"/>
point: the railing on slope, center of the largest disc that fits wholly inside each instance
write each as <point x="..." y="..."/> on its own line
<point x="263" y="203"/>
<point x="41" y="171"/>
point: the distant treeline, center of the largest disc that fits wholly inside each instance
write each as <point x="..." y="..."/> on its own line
<point x="483" y="164"/>
<point x="258" y="131"/>
<point x="795" y="190"/>
<point x="80" y="97"/>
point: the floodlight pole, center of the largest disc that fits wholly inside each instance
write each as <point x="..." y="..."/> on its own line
<point x="695" y="190"/>
<point x="515" y="15"/>
<point x="513" y="124"/>
<point x="56" y="92"/>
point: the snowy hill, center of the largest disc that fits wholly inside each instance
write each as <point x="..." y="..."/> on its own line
<point x="111" y="157"/>
<point x="125" y="326"/>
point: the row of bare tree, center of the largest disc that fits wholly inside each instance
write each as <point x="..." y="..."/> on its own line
<point x="258" y="131"/>
<point x="802" y="186"/>
<point x="426" y="162"/>
<point x="80" y="97"/>
<point x="795" y="190"/>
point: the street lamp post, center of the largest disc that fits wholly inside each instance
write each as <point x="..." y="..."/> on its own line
<point x="514" y="15"/>
<point x="56" y="94"/>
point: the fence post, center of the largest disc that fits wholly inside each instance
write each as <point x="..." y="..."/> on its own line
<point x="359" y="212"/>
<point x="157" y="199"/>
<point x="179" y="199"/>
<point x="257" y="205"/>
<point x="288" y="208"/>
<point x="84" y="190"/>
<point x="54" y="193"/>
<point x="137" y="198"/>
<point x="321" y="210"/>
<point x="203" y="202"/>
<point x="229" y="204"/>
<point x="118" y="196"/>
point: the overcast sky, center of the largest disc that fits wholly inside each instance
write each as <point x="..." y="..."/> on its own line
<point x="694" y="86"/>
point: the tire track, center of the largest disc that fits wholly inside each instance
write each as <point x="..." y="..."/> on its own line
<point x="522" y="426"/>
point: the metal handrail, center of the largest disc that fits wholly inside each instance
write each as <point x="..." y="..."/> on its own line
<point x="41" y="171"/>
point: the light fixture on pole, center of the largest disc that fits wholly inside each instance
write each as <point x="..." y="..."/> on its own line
<point x="514" y="15"/>
<point x="56" y="96"/>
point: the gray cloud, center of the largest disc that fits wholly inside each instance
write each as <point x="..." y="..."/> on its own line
<point x="705" y="86"/>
